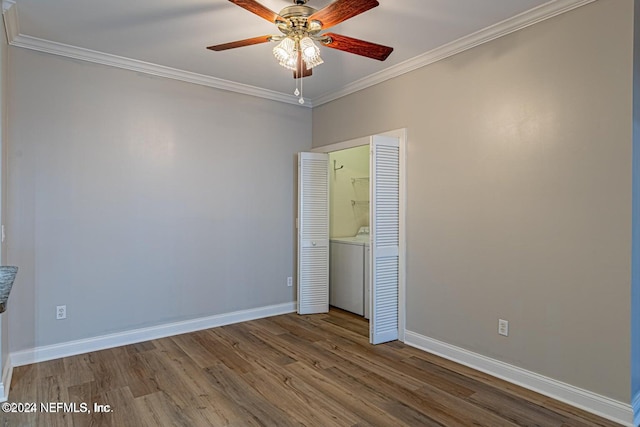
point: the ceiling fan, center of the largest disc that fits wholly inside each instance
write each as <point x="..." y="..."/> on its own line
<point x="301" y="25"/>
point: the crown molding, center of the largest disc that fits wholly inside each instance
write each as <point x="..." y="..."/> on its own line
<point x="508" y="26"/>
<point x="10" y="16"/>
<point x="7" y="4"/>
<point x="546" y="11"/>
<point x="96" y="57"/>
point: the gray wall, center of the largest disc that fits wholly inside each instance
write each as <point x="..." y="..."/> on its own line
<point x="138" y="201"/>
<point x="635" y="294"/>
<point x="519" y="193"/>
<point x="4" y="48"/>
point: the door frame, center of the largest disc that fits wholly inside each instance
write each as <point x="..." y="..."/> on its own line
<point x="401" y="134"/>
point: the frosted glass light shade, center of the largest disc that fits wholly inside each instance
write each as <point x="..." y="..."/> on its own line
<point x="310" y="52"/>
<point x="285" y="50"/>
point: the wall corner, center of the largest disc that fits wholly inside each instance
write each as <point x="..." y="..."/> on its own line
<point x="635" y="251"/>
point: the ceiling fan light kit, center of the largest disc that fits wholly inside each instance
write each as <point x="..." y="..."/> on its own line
<point x="301" y="25"/>
<point x="310" y="52"/>
<point x="286" y="54"/>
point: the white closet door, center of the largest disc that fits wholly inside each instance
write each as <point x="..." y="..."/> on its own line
<point x="313" y="233"/>
<point x="385" y="236"/>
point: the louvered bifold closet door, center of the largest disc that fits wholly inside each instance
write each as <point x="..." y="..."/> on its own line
<point x="313" y="233"/>
<point x="385" y="236"/>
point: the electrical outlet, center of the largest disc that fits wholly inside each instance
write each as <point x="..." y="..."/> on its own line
<point x="61" y="312"/>
<point x="289" y="281"/>
<point x="503" y="327"/>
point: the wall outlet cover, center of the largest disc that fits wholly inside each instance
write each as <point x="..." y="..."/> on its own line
<point x="503" y="327"/>
<point x="61" y="312"/>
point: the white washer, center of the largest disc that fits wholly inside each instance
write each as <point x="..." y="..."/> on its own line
<point x="349" y="265"/>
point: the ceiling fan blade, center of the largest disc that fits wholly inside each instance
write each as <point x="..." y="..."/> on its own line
<point x="240" y="43"/>
<point x="301" y="70"/>
<point x="341" y="10"/>
<point x="359" y="47"/>
<point x="260" y="10"/>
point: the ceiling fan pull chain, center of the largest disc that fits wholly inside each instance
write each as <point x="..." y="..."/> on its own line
<point x="297" y="92"/>
<point x="301" y="100"/>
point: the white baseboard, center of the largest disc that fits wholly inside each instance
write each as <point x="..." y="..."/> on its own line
<point x="636" y="409"/>
<point x="600" y="405"/>
<point x="72" y="348"/>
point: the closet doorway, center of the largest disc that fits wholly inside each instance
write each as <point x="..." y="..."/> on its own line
<point x="383" y="196"/>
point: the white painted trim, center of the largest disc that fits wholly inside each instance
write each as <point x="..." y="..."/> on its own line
<point x="365" y="140"/>
<point x="7" y="4"/>
<point x="96" y="57"/>
<point x="636" y="409"/>
<point x="402" y="293"/>
<point x="357" y="142"/>
<point x="10" y="16"/>
<point x="401" y="134"/>
<point x="7" y="373"/>
<point x="580" y="398"/>
<point x="508" y="26"/>
<point x="72" y="348"/>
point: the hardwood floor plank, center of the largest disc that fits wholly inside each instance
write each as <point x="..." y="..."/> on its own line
<point x="195" y="350"/>
<point x="123" y="408"/>
<point x="183" y="377"/>
<point x="167" y="377"/>
<point x="301" y="350"/>
<point x="216" y="407"/>
<point x="106" y="369"/>
<point x="269" y="326"/>
<point x="577" y="417"/>
<point x="297" y="328"/>
<point x="158" y="409"/>
<point x="322" y="359"/>
<point x="290" y="370"/>
<point x="348" y="322"/>
<point x="438" y="407"/>
<point x="140" y="347"/>
<point x="87" y="393"/>
<point x="345" y="398"/>
<point x="387" y="402"/>
<point x="309" y="389"/>
<point x="142" y="380"/>
<point x="223" y="352"/>
<point x="169" y="348"/>
<point x="52" y="390"/>
<point x="372" y="362"/>
<point x="296" y="404"/>
<point x="331" y="331"/>
<point x="228" y="383"/>
<point x="27" y="377"/>
<point x="76" y="370"/>
<point x="498" y="395"/>
<point x="274" y="370"/>
<point x="514" y="408"/>
<point x="249" y="346"/>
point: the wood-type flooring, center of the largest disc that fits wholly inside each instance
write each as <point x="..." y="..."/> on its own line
<point x="287" y="370"/>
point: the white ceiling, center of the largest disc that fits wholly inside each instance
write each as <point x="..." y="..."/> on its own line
<point x="174" y="34"/>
